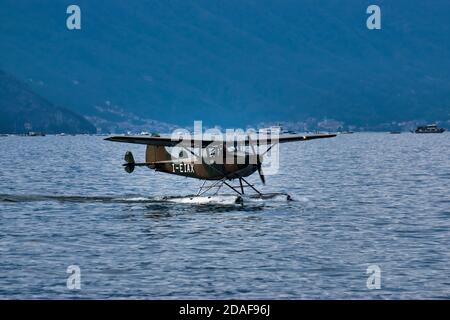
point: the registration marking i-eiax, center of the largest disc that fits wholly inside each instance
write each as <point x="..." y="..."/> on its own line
<point x="183" y="167"/>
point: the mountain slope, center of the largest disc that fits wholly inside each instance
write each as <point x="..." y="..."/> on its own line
<point x="21" y="111"/>
<point x="236" y="62"/>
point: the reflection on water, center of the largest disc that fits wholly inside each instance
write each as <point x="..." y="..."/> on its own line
<point x="360" y="199"/>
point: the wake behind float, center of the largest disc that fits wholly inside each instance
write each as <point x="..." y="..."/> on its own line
<point x="228" y="199"/>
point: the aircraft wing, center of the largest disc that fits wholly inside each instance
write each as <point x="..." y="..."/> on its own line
<point x="159" y="141"/>
<point x="169" y="142"/>
<point x="298" y="137"/>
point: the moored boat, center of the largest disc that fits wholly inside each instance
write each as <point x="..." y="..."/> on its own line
<point x="431" y="128"/>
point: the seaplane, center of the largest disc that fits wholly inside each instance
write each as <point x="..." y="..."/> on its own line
<point x="217" y="162"/>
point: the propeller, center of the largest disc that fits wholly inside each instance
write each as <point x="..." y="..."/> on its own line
<point x="259" y="166"/>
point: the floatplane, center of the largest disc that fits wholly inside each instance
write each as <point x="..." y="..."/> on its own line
<point x="218" y="162"/>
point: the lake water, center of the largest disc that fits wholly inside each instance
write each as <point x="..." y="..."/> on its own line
<point x="362" y="199"/>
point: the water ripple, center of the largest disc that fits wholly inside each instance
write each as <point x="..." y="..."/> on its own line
<point x="360" y="199"/>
